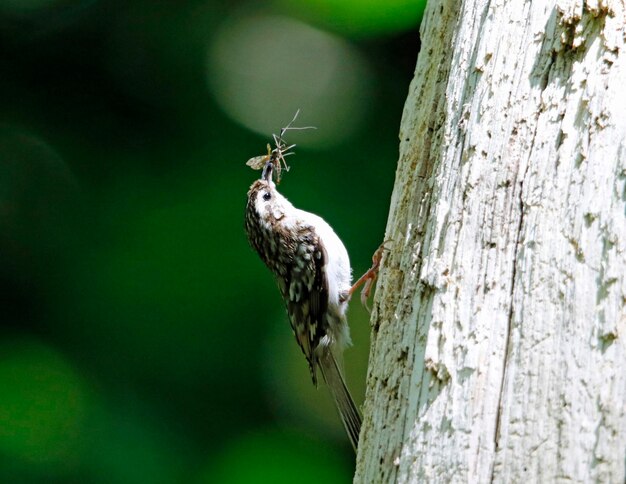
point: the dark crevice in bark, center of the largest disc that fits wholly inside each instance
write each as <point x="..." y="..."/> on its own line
<point x="507" y="346"/>
<point x="545" y="78"/>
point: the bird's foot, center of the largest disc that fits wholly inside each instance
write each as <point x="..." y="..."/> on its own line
<point x="367" y="280"/>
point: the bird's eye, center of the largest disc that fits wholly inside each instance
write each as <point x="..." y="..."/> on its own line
<point x="267" y="196"/>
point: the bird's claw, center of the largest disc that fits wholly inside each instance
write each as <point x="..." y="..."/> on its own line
<point x="368" y="279"/>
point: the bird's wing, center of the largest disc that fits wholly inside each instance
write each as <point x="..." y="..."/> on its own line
<point x="307" y="294"/>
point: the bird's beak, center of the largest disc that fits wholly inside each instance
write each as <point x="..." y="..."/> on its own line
<point x="267" y="171"/>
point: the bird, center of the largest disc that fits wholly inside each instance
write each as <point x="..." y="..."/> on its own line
<point x="312" y="269"/>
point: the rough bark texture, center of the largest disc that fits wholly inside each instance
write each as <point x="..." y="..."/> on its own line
<point x="499" y="332"/>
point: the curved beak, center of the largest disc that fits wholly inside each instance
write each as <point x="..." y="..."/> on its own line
<point x="267" y="171"/>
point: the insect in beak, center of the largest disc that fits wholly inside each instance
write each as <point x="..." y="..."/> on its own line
<point x="277" y="155"/>
<point x="258" y="162"/>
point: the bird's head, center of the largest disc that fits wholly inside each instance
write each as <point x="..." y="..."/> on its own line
<point x="268" y="205"/>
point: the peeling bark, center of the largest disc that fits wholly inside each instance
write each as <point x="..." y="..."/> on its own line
<point x="499" y="330"/>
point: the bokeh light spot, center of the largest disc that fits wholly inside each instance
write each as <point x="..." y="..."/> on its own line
<point x="262" y="68"/>
<point x="42" y="406"/>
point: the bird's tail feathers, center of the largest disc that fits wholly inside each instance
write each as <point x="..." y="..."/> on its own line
<point x="348" y="411"/>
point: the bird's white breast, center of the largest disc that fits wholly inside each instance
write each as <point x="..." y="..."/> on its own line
<point x="338" y="271"/>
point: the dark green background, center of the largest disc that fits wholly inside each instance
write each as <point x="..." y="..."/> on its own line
<point x="142" y="340"/>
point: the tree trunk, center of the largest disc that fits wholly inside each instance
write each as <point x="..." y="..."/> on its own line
<point x="499" y="330"/>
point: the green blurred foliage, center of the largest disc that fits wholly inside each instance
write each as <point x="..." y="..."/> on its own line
<point x="42" y="408"/>
<point x="142" y="340"/>
<point x="278" y="457"/>
<point x="358" y="18"/>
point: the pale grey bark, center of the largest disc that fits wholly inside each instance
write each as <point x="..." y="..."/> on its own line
<point x="499" y="330"/>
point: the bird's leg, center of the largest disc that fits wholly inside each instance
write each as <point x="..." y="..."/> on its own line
<point x="368" y="279"/>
